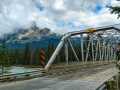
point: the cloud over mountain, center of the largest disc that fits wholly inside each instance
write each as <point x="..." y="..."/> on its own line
<point x="59" y="15"/>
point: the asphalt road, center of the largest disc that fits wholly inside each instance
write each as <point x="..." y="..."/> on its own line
<point x="50" y="84"/>
<point x="59" y="82"/>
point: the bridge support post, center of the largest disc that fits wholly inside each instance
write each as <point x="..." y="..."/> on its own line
<point x="82" y="52"/>
<point x="91" y="38"/>
<point x="114" y="55"/>
<point x="66" y="52"/>
<point x="96" y="50"/>
<point x="105" y="54"/>
<point x="103" y="49"/>
<point x="99" y="50"/>
<point x="109" y="52"/>
<point x="88" y="47"/>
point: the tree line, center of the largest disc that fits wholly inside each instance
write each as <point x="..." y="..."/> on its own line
<point x="32" y="57"/>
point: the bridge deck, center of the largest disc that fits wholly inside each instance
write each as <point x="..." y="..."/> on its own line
<point x="100" y="76"/>
<point x="85" y="79"/>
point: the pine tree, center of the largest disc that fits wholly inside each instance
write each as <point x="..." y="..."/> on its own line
<point x="31" y="58"/>
<point x="27" y="55"/>
<point x="115" y="10"/>
<point x="4" y="55"/>
<point x="48" y="50"/>
<point x="52" y="47"/>
<point x="21" y="58"/>
<point x="37" y="56"/>
<point x="16" y="57"/>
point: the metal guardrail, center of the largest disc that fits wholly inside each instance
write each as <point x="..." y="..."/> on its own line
<point x="15" y="76"/>
<point x="104" y="85"/>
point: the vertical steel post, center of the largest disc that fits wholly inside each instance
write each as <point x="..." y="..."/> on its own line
<point x="66" y="51"/>
<point x="103" y="49"/>
<point x="91" y="38"/>
<point x="96" y="50"/>
<point x="100" y="49"/>
<point x="104" y="53"/>
<point x="87" y="50"/>
<point x="81" y="42"/>
<point x="110" y="52"/>
<point x="107" y="52"/>
<point x="114" y="55"/>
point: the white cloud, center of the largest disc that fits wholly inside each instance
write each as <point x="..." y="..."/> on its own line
<point x="15" y="14"/>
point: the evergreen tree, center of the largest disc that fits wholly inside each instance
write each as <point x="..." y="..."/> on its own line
<point x="114" y="10"/>
<point x="31" y="58"/>
<point x="20" y="58"/>
<point x="37" y="56"/>
<point x="27" y="55"/>
<point x="52" y="47"/>
<point x="48" y="50"/>
<point x="4" y="55"/>
<point x="16" y="57"/>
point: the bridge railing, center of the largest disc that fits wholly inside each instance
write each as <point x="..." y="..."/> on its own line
<point x="17" y="76"/>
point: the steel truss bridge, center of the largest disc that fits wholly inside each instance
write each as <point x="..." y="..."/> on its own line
<point x="95" y="44"/>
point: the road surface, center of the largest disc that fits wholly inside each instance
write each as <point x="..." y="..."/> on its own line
<point x="85" y="79"/>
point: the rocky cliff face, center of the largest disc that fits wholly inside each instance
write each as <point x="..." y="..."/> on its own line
<point x="32" y="33"/>
<point x="29" y="35"/>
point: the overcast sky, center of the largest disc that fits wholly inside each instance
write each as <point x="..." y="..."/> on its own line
<point x="60" y="16"/>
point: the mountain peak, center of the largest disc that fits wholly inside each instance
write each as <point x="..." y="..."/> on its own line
<point x="29" y="35"/>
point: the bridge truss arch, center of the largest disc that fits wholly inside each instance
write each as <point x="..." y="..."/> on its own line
<point x="95" y="44"/>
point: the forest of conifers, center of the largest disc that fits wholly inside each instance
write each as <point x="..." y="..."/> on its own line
<point x="33" y="56"/>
